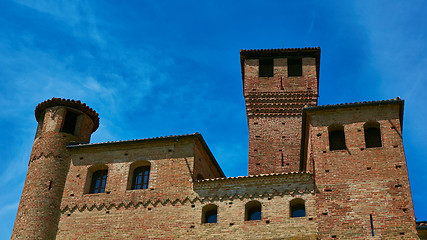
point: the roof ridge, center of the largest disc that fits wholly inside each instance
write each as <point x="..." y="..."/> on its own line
<point x="78" y="144"/>
<point x="251" y="176"/>
<point x="397" y="99"/>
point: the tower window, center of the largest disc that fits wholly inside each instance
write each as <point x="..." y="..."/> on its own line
<point x="372" y="135"/>
<point x="99" y="178"/>
<point x="297" y="208"/>
<point x="294" y="67"/>
<point x="266" y="67"/>
<point x="141" y="176"/>
<point x="70" y="122"/>
<point x="253" y="211"/>
<point x="210" y="213"/>
<point x="336" y="137"/>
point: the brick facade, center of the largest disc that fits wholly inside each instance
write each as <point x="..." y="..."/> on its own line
<point x="298" y="184"/>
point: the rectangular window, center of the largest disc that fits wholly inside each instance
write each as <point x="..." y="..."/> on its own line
<point x="70" y="122"/>
<point x="294" y="67"/>
<point x="266" y="67"/>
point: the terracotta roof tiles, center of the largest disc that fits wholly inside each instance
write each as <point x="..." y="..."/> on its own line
<point x="77" y="144"/>
<point x="250" y="176"/>
<point x="322" y="107"/>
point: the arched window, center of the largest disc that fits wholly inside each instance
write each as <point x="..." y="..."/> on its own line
<point x="140" y="178"/>
<point x="209" y="213"/>
<point x="336" y="137"/>
<point x="253" y="211"/>
<point x="139" y="175"/>
<point x="372" y="135"/>
<point x="99" y="179"/>
<point x="297" y="207"/>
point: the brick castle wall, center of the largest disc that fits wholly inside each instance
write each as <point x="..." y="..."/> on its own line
<point x="358" y="182"/>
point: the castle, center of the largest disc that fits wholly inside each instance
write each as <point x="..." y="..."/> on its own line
<point x="315" y="172"/>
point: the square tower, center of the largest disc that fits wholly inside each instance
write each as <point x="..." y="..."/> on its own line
<point x="278" y="84"/>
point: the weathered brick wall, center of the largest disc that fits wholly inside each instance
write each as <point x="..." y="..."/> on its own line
<point x="182" y="218"/>
<point x="358" y="182"/>
<point x="172" y="165"/>
<point x="274" y="106"/>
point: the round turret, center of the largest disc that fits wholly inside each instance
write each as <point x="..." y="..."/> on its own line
<point x="60" y="121"/>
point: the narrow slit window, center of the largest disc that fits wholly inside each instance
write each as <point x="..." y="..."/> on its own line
<point x="294" y="67"/>
<point x="266" y="67"/>
<point x="372" y="225"/>
<point x="283" y="161"/>
<point x="70" y="122"/>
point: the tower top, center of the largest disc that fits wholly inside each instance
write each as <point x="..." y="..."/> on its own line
<point x="76" y="104"/>
<point x="280" y="52"/>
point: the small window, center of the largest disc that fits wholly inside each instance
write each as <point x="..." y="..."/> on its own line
<point x="253" y="211"/>
<point x="141" y="175"/>
<point x="70" y="122"/>
<point x="297" y="208"/>
<point x="210" y="213"/>
<point x="336" y="137"/>
<point x="266" y="67"/>
<point x="99" y="179"/>
<point x="294" y="67"/>
<point x="372" y="135"/>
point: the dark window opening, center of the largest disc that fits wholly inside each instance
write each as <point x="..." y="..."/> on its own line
<point x="141" y="176"/>
<point x="297" y="208"/>
<point x="70" y="122"/>
<point x="294" y="67"/>
<point x="99" y="178"/>
<point x="337" y="138"/>
<point x="253" y="211"/>
<point x="266" y="67"/>
<point x="372" y="135"/>
<point x="210" y="213"/>
<point x="211" y="217"/>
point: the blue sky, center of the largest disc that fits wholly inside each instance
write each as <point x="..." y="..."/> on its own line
<point x="156" y="68"/>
